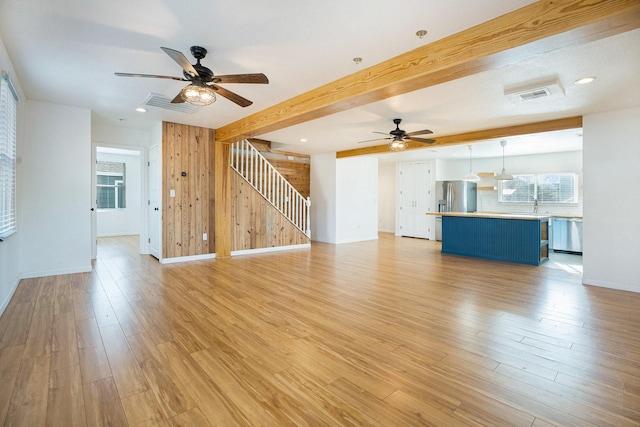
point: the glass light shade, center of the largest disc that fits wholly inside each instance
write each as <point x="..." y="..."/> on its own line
<point x="198" y="95"/>
<point x="397" y="145"/>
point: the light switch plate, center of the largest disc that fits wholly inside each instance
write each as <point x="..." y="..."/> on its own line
<point x="172" y="193"/>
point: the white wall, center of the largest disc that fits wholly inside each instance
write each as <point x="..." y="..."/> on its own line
<point x="56" y="185"/>
<point x="123" y="222"/>
<point x="387" y="198"/>
<point x="356" y="199"/>
<point x="344" y="198"/>
<point x="10" y="248"/>
<point x="611" y="148"/>
<point x="105" y="135"/>
<point x="323" y="197"/>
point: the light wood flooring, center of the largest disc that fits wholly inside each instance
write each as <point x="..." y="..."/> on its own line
<point x="379" y="333"/>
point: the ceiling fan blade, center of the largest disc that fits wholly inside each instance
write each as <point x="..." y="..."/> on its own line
<point x="181" y="60"/>
<point x="371" y="140"/>
<point x="182" y="79"/>
<point x="382" y="133"/>
<point x="257" y="78"/>
<point x="233" y="97"/>
<point x="426" y="141"/>
<point x="420" y="132"/>
<point x="178" y="99"/>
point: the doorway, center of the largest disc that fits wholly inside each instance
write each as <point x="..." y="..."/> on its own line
<point x="118" y="194"/>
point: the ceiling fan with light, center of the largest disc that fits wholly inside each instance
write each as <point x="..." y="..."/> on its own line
<point x="400" y="137"/>
<point x="203" y="85"/>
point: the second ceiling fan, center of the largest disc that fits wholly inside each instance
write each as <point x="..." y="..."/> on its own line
<point x="204" y="84"/>
<point x="399" y="137"/>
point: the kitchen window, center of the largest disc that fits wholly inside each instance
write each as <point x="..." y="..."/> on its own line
<point x="8" y="120"/>
<point x="111" y="185"/>
<point x="547" y="188"/>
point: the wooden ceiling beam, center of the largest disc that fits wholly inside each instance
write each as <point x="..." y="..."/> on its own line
<point x="475" y="136"/>
<point x="535" y="29"/>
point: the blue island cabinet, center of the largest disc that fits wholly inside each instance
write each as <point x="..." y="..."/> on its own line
<point x="523" y="241"/>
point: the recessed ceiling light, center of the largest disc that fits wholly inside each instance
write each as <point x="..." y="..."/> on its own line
<point x="421" y="33"/>
<point x="357" y="60"/>
<point x="141" y="110"/>
<point x="303" y="139"/>
<point x="584" y="80"/>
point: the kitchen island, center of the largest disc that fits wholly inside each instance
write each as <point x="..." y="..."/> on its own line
<point x="518" y="238"/>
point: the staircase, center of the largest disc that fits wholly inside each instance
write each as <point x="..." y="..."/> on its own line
<point x="262" y="176"/>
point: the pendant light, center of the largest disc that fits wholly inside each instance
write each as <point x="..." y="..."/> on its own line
<point x="470" y="176"/>
<point x="503" y="176"/>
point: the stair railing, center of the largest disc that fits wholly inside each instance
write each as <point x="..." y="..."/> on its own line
<point x="270" y="183"/>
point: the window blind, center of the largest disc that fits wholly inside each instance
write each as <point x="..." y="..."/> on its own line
<point x="8" y="120"/>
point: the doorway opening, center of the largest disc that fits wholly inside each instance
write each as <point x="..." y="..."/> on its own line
<point x="118" y="177"/>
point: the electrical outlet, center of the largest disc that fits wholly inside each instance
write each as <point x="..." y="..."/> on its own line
<point x="172" y="193"/>
<point x="204" y="236"/>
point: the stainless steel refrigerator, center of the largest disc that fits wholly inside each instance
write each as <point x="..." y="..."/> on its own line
<point x="455" y="196"/>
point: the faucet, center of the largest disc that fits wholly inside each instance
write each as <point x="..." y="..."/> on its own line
<point x="535" y="205"/>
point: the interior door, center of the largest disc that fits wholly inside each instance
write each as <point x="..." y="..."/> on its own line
<point x="407" y="187"/>
<point x="94" y="205"/>
<point x="154" y="206"/>
<point x="423" y="200"/>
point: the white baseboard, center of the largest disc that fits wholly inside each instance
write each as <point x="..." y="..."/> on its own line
<point x="611" y="285"/>
<point x="186" y="258"/>
<point x="118" y="234"/>
<point x="44" y="273"/>
<point x="272" y="249"/>
<point x="12" y="291"/>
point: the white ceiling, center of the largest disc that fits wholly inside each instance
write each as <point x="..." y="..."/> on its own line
<point x="67" y="53"/>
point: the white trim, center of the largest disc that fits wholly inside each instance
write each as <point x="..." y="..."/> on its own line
<point x="271" y="249"/>
<point x="610" y="285"/>
<point x="12" y="291"/>
<point x="45" y="273"/>
<point x="380" y="230"/>
<point x="186" y="258"/>
<point x="118" y="234"/>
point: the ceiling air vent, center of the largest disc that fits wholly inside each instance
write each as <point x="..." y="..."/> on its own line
<point x="534" y="91"/>
<point x="155" y="100"/>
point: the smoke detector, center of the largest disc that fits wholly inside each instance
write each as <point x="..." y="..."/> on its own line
<point x="531" y="91"/>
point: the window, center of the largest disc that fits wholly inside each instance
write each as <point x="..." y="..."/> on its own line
<point x="522" y="188"/>
<point x="558" y="188"/>
<point x="8" y="120"/>
<point x="547" y="188"/>
<point x="111" y="185"/>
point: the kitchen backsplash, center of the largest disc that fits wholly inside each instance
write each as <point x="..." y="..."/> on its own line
<point x="488" y="202"/>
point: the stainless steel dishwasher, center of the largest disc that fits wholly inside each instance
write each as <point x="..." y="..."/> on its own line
<point x="439" y="228"/>
<point x="567" y="234"/>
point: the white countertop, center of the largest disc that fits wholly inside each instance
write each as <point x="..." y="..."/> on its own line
<point x="531" y="216"/>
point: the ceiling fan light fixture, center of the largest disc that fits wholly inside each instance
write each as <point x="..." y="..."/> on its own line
<point x="397" y="144"/>
<point x="198" y="94"/>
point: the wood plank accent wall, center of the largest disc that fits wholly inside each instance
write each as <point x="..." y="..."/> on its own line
<point x="256" y="223"/>
<point x="190" y="214"/>
<point x="294" y="167"/>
